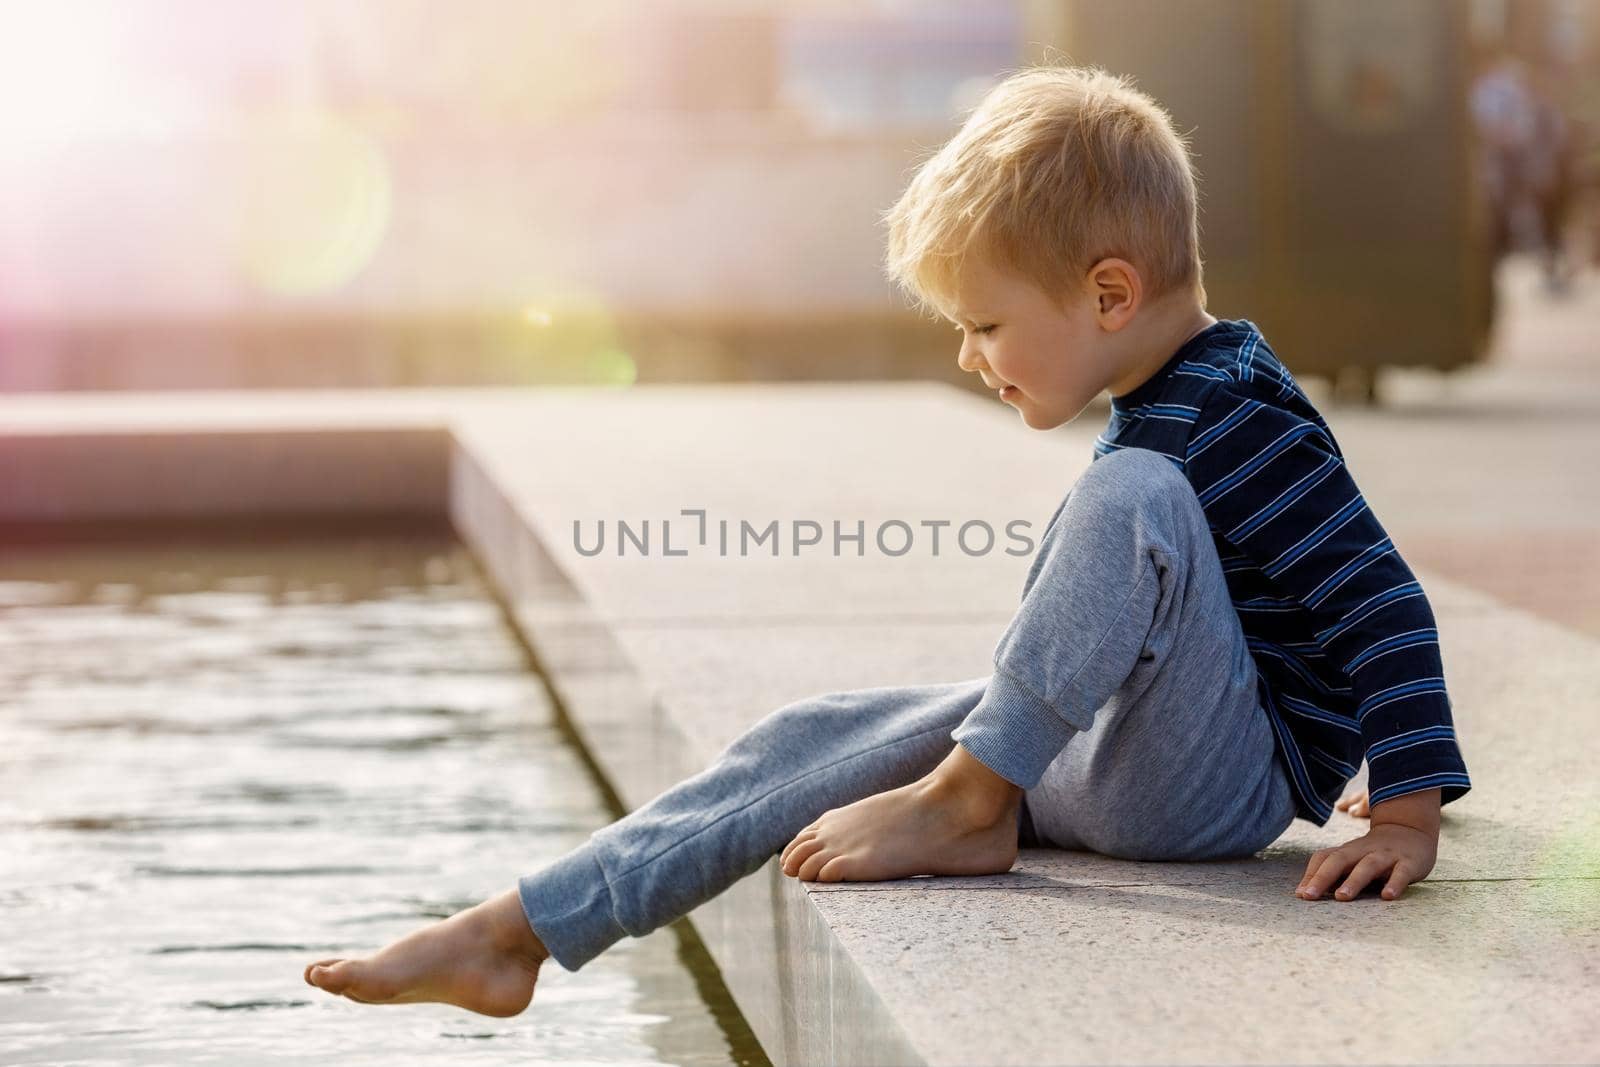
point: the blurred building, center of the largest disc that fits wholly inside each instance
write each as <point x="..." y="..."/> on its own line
<point x="370" y="194"/>
<point x="378" y="193"/>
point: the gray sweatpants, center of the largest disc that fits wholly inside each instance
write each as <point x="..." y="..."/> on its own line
<point x="1123" y="701"/>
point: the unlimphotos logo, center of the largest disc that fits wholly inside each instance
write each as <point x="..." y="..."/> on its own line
<point x="725" y="537"/>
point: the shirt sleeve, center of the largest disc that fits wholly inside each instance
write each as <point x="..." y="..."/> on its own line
<point x="1275" y="486"/>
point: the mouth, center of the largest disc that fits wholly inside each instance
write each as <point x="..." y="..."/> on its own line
<point x="1005" y="390"/>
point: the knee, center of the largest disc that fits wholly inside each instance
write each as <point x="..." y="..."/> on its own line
<point x="1133" y="473"/>
<point x="1133" y="480"/>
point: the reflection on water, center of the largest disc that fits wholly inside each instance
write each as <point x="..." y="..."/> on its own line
<point x="218" y="764"/>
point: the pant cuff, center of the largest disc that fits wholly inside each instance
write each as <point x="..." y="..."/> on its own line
<point x="568" y="904"/>
<point x="1013" y="732"/>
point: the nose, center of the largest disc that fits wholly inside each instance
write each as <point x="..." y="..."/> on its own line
<point x="967" y="357"/>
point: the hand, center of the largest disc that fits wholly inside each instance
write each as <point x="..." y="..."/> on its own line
<point x="1356" y="804"/>
<point x="1402" y="844"/>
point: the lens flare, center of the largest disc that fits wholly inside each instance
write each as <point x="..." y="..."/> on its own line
<point x="578" y="340"/>
<point x="1566" y="889"/>
<point x="612" y="366"/>
<point x="314" y="199"/>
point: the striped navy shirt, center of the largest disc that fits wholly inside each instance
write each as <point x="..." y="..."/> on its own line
<point x="1344" y="640"/>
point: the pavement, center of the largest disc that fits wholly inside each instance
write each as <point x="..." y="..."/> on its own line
<point x="1485" y="481"/>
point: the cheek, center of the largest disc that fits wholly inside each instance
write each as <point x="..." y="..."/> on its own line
<point x="1008" y="360"/>
<point x="1023" y="363"/>
<point x="1056" y="364"/>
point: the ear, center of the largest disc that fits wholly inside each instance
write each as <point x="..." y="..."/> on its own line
<point x="1117" y="291"/>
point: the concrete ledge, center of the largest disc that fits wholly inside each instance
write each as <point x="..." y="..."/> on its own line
<point x="661" y="661"/>
<point x="111" y="475"/>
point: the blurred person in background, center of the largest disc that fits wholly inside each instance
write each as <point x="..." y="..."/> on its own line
<point x="1506" y="117"/>
<point x="1551" y="155"/>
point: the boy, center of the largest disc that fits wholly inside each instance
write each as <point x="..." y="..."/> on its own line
<point x="1214" y="632"/>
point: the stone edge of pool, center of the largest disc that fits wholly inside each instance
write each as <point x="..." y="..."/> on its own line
<point x="776" y="953"/>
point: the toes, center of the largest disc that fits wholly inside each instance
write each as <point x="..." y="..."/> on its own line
<point x="801" y="853"/>
<point x="347" y="978"/>
<point x="337" y="977"/>
<point x="834" y="870"/>
<point x="799" y="839"/>
<point x="814" y="863"/>
<point x="320" y="963"/>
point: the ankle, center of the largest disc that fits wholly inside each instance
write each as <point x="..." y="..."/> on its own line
<point x="974" y="775"/>
<point x="980" y="800"/>
<point x="510" y="929"/>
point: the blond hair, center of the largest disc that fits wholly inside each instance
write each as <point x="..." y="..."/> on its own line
<point x="1055" y="169"/>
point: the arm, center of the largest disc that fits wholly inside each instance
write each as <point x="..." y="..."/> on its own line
<point x="1276" y="487"/>
<point x="1402" y="843"/>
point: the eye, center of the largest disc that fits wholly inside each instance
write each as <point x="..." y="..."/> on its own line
<point x="985" y="329"/>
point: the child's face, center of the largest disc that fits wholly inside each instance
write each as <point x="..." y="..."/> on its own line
<point x="1045" y="362"/>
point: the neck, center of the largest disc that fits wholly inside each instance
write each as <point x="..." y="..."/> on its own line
<point x="1155" y="335"/>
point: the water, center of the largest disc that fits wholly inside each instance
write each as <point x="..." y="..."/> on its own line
<point x="220" y="763"/>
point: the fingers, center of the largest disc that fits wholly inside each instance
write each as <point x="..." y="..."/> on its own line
<point x="1328" y="865"/>
<point x="1366" y="869"/>
<point x="1399" y="878"/>
<point x="1325" y="865"/>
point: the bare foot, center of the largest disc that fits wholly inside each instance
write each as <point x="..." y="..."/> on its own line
<point x="926" y="827"/>
<point x="485" y="959"/>
<point x="1356" y="804"/>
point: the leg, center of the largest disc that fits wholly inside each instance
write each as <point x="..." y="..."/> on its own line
<point x="1179" y="762"/>
<point x="696" y="839"/>
<point x="660" y="862"/>
<point x="1124" y="675"/>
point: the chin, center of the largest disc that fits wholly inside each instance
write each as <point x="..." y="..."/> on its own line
<point x="1035" y="418"/>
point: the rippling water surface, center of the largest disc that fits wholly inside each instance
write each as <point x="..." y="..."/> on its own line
<point x="218" y="764"/>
